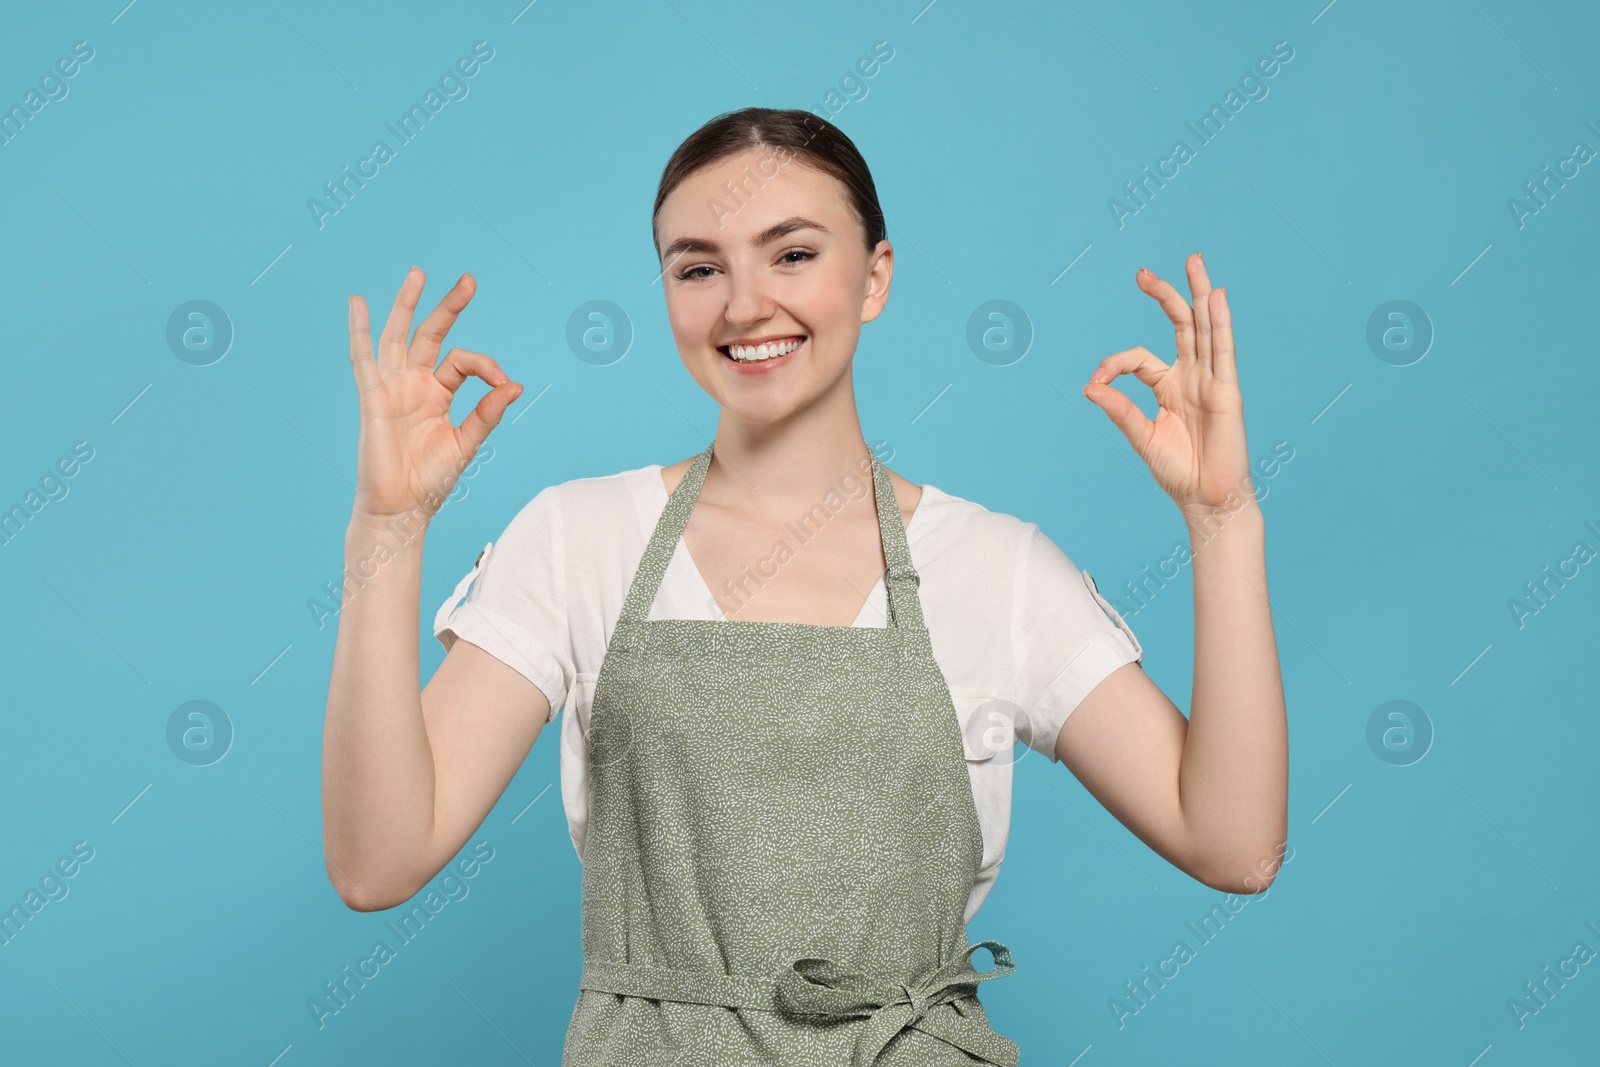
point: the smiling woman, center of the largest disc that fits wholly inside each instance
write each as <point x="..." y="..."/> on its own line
<point x="787" y="812"/>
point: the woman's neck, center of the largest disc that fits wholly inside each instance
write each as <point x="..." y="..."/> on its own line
<point x="790" y="468"/>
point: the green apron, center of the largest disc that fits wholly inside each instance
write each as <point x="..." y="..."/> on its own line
<point x="781" y="840"/>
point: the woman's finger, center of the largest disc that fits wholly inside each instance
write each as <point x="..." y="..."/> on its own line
<point x="1176" y="307"/>
<point x="485" y="416"/>
<point x="361" y="364"/>
<point x="392" y="343"/>
<point x="1223" y="365"/>
<point x="1124" y="413"/>
<point x="1200" y="292"/>
<point x="1138" y="361"/>
<point x="430" y="335"/>
<point x="460" y="364"/>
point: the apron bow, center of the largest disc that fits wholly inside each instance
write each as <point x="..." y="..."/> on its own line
<point x="815" y="985"/>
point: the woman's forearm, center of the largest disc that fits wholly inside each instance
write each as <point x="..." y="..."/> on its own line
<point x="377" y="767"/>
<point x="1234" y="775"/>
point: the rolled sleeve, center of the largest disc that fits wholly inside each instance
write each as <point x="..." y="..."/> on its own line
<point x="512" y="603"/>
<point x="1068" y="639"/>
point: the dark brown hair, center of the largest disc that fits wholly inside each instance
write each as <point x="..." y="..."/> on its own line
<point x="787" y="133"/>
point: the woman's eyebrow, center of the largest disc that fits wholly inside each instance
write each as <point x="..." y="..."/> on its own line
<point x="685" y="245"/>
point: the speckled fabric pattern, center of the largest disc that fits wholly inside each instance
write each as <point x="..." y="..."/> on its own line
<point x="782" y="839"/>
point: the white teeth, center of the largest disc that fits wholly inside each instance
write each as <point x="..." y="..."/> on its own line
<point x="753" y="353"/>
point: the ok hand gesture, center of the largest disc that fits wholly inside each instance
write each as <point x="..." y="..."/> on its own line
<point x="1195" y="447"/>
<point x="409" y="454"/>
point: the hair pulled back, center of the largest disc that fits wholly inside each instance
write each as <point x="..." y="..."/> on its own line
<point x="786" y="134"/>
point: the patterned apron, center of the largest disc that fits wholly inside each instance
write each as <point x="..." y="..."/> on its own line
<point x="781" y="839"/>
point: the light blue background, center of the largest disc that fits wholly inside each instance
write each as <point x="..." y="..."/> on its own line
<point x="1418" y="502"/>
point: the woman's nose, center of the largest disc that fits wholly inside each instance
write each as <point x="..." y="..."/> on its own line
<point x="748" y="298"/>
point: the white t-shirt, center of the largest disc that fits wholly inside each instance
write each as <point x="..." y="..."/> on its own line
<point x="1020" y="634"/>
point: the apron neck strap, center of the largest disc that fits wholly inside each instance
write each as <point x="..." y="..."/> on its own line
<point x="669" y="528"/>
<point x="905" y="608"/>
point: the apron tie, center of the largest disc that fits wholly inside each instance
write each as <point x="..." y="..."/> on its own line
<point x="813" y="985"/>
<point x="918" y="1002"/>
<point x="820" y="986"/>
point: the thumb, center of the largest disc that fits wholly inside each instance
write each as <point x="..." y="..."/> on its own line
<point x="486" y="415"/>
<point x="1122" y="412"/>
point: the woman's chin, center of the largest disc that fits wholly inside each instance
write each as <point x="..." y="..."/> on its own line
<point x="765" y="413"/>
<point x="766" y="406"/>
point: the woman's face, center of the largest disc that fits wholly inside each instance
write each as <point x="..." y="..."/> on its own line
<point x="761" y="253"/>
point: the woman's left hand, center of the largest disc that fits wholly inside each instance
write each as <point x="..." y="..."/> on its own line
<point x="1195" y="446"/>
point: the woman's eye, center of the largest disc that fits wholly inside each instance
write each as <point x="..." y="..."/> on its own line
<point x="791" y="258"/>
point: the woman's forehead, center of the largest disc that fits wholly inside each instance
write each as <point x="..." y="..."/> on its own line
<point x="734" y="200"/>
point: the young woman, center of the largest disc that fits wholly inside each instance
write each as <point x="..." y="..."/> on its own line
<point x="788" y="798"/>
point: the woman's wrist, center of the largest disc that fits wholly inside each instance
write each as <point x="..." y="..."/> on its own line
<point x="366" y="524"/>
<point x="1205" y="522"/>
<point x="378" y="538"/>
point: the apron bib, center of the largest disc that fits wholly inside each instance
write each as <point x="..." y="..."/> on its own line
<point x="781" y="841"/>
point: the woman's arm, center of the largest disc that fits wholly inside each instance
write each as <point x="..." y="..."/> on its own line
<point x="1209" y="793"/>
<point x="407" y="775"/>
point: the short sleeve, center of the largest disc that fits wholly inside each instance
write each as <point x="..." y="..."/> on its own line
<point x="1067" y="638"/>
<point x="515" y="605"/>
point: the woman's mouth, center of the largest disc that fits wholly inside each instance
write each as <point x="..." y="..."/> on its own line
<point x="758" y="359"/>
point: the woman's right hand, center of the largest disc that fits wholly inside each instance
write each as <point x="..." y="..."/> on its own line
<point x="409" y="455"/>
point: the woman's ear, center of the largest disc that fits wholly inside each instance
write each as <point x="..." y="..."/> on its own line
<point x="880" y="269"/>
